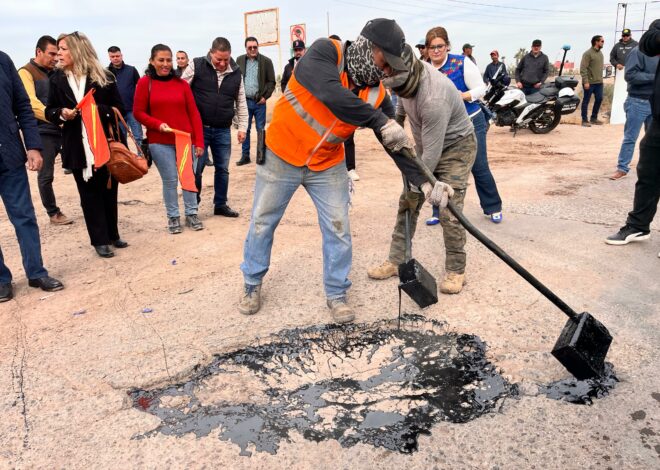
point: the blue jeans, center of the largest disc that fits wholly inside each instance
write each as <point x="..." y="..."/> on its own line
<point x="136" y="127"/>
<point x="489" y="197"/>
<point x="595" y="89"/>
<point x="529" y="90"/>
<point x="638" y="112"/>
<point x="165" y="159"/>
<point x="258" y="111"/>
<point x="218" y="139"/>
<point x="275" y="184"/>
<point x="15" y="194"/>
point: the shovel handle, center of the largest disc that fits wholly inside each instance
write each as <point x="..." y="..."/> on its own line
<point x="491" y="245"/>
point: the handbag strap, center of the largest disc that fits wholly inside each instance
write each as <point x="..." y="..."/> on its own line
<point x="120" y="118"/>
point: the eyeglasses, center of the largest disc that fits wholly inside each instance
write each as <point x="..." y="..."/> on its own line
<point x="420" y="47"/>
<point x="439" y="47"/>
<point x="75" y="35"/>
<point x="299" y="49"/>
<point x="252" y="48"/>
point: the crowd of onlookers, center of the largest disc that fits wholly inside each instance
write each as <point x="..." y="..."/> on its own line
<point x="206" y="96"/>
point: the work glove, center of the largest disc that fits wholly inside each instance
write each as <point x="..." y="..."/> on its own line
<point x="394" y="137"/>
<point x="439" y="194"/>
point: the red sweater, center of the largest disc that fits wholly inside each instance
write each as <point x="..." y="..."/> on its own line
<point x="171" y="102"/>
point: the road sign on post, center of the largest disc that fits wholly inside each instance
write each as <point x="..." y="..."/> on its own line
<point x="298" y="32"/>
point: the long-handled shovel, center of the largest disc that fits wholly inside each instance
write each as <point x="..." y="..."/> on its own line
<point x="584" y="341"/>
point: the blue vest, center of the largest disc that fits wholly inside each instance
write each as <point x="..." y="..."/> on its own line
<point x="453" y="69"/>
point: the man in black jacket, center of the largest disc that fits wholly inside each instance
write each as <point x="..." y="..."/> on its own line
<point x="217" y="85"/>
<point x="621" y="49"/>
<point x="16" y="117"/>
<point x="298" y="51"/>
<point x="647" y="188"/>
<point x="533" y="69"/>
<point x="259" y="78"/>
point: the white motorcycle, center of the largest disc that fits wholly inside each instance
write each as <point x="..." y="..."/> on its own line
<point x="540" y="111"/>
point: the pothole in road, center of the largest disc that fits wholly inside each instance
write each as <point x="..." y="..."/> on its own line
<point x="373" y="384"/>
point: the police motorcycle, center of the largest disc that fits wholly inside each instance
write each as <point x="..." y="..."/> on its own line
<point x="540" y="111"/>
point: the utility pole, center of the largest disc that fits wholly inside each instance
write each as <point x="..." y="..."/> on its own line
<point x="327" y="15"/>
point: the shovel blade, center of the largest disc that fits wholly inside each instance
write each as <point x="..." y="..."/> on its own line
<point x="418" y="283"/>
<point x="582" y="346"/>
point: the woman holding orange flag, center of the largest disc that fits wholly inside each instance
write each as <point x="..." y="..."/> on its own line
<point x="164" y="103"/>
<point x="79" y="72"/>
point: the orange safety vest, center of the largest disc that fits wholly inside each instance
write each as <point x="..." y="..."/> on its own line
<point x="304" y="132"/>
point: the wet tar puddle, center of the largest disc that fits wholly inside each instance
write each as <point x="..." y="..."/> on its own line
<point x="582" y="392"/>
<point x="371" y="384"/>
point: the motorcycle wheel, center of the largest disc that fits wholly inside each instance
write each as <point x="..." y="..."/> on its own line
<point x="546" y="122"/>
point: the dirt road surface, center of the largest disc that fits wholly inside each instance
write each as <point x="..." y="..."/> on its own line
<point x="67" y="360"/>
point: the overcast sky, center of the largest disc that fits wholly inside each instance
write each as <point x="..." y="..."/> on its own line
<point x="136" y="25"/>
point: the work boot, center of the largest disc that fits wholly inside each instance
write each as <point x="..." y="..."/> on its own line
<point x="596" y="122"/>
<point x="586" y="124"/>
<point x="250" y="302"/>
<point x="385" y="270"/>
<point x="60" y="219"/>
<point x="452" y="283"/>
<point x="340" y="311"/>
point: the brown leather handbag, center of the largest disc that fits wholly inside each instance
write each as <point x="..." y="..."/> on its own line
<point x="124" y="165"/>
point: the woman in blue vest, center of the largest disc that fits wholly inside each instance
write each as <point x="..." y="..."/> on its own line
<point x="467" y="79"/>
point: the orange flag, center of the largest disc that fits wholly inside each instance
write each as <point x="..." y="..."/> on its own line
<point x="184" y="160"/>
<point x="98" y="142"/>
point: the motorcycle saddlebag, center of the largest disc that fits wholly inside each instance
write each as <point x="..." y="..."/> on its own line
<point x="563" y="82"/>
<point x="567" y="104"/>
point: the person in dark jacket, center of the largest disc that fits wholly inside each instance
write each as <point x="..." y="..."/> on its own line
<point x="16" y="117"/>
<point x="496" y="68"/>
<point x="79" y="71"/>
<point x="298" y="52"/>
<point x="218" y="89"/>
<point x="647" y="188"/>
<point x="621" y="49"/>
<point x="640" y="71"/>
<point x="126" y="77"/>
<point x="36" y="79"/>
<point x="533" y="69"/>
<point x="259" y="78"/>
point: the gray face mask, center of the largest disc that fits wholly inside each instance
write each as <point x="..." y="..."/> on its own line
<point x="405" y="84"/>
<point x="360" y="63"/>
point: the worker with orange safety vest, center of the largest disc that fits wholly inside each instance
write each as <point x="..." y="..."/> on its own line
<point x="334" y="89"/>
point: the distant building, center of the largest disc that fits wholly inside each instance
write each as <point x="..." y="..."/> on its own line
<point x="568" y="66"/>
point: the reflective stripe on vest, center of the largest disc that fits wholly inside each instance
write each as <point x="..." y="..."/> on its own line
<point x="304" y="132"/>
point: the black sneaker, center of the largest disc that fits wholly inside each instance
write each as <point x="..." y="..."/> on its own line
<point x="174" y="225"/>
<point x="626" y="235"/>
<point x="586" y="124"/>
<point x="225" y="211"/>
<point x="193" y="222"/>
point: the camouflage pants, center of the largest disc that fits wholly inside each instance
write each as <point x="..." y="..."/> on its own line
<point x="453" y="168"/>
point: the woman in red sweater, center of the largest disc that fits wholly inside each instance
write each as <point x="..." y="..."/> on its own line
<point x="164" y="102"/>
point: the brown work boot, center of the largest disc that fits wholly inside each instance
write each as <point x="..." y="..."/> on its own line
<point x="60" y="219"/>
<point x="250" y="302"/>
<point x="340" y="311"/>
<point x="618" y="174"/>
<point x="452" y="283"/>
<point x="385" y="270"/>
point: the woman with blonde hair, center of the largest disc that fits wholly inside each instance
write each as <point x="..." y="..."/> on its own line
<point x="79" y="71"/>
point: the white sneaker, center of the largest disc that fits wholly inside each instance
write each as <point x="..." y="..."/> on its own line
<point x="352" y="174"/>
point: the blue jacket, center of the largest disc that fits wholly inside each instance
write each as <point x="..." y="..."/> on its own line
<point x="640" y="72"/>
<point x="127" y="77"/>
<point x="15" y="114"/>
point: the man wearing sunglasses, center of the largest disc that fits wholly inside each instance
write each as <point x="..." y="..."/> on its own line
<point x="622" y="48"/>
<point x="259" y="77"/>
